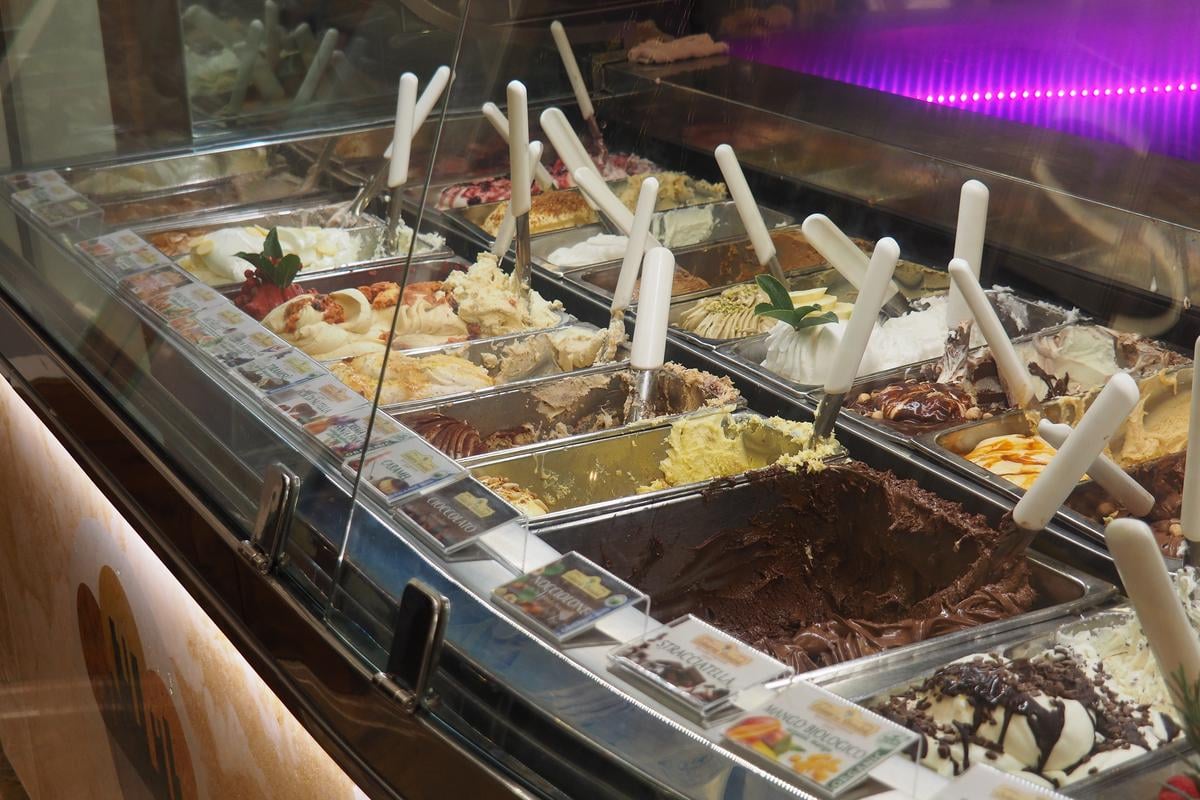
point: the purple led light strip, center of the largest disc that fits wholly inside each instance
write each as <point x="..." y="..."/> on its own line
<point x="1054" y="94"/>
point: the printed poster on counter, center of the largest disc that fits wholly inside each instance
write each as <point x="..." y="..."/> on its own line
<point x="817" y="739"/>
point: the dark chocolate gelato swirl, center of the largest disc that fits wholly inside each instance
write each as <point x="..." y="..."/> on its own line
<point x="453" y="437"/>
<point x="842" y="563"/>
<point x="1163" y="478"/>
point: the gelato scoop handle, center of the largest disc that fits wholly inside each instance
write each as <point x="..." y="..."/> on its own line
<point x="1104" y="471"/>
<point x="748" y="210"/>
<point x="1189" y="515"/>
<point x="845" y="256"/>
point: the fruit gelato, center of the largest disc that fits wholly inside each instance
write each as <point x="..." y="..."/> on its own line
<point x="1046" y="718"/>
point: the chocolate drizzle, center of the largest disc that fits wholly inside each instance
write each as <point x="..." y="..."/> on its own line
<point x="1035" y="690"/>
<point x="453" y="437"/>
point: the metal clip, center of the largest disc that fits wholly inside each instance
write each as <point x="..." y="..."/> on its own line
<point x="276" y="507"/>
<point x="416" y="646"/>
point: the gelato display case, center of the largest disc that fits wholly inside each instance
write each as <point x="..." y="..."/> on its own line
<point x="493" y="515"/>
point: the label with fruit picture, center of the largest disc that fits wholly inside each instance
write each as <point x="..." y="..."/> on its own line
<point x="808" y="734"/>
<point x="403" y="468"/>
<point x="458" y="514"/>
<point x="122" y="253"/>
<point x="565" y="597"/>
<point x="696" y="666"/>
<point x="981" y="782"/>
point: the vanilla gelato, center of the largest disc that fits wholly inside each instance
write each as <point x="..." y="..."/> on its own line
<point x="212" y="257"/>
<point x="487" y="300"/>
<point x="411" y="377"/>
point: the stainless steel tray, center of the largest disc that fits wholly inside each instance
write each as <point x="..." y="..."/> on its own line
<point x="369" y="231"/>
<point x="489" y="354"/>
<point x="747" y="355"/>
<point x="915" y="281"/>
<point x="874" y="680"/>
<point x="948" y="447"/>
<point x="602" y="473"/>
<point x="679" y="523"/>
<point x="726" y="222"/>
<point x="514" y="406"/>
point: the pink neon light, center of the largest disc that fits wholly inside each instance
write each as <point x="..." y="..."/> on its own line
<point x="1050" y="94"/>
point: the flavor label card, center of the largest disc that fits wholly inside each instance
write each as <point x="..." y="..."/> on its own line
<point x="346" y="434"/>
<point x="236" y="346"/>
<point x="696" y="666"/>
<point x="27" y="180"/>
<point x="145" y="285"/>
<point x="209" y="325"/>
<point x="456" y="515"/>
<point x="279" y="371"/>
<point x="186" y="300"/>
<point x="566" y="597"/>
<point x="122" y="253"/>
<point x="55" y="203"/>
<point x="323" y="396"/>
<point x="982" y="782"/>
<point x="808" y="734"/>
<point x="402" y="468"/>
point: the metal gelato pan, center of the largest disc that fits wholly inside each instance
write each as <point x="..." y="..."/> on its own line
<point x="513" y="360"/>
<point x="559" y="409"/>
<point x="582" y="479"/>
<point x="748" y="355"/>
<point x="171" y="237"/>
<point x="950" y="447"/>
<point x="874" y="681"/>
<point x="655" y="546"/>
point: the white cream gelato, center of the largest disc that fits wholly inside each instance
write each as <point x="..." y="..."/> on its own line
<point x="598" y="249"/>
<point x="338" y="325"/>
<point x="488" y="301"/>
<point x="212" y="257"/>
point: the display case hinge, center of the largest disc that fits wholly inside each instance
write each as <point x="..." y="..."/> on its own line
<point x="416" y="652"/>
<point x="276" y="507"/>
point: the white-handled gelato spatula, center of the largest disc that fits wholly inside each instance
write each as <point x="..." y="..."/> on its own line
<point x="846" y="257"/>
<point x="566" y="143"/>
<point x="508" y="224"/>
<point x="273" y="33"/>
<point x="850" y="349"/>
<point x="748" y="210"/>
<point x="247" y="57"/>
<point x="1164" y="621"/>
<point x="493" y="114"/>
<point x="1014" y="375"/>
<point x="630" y="265"/>
<point x="567" y="54"/>
<point x="520" y="200"/>
<point x="316" y="70"/>
<point x="650" y="333"/>
<point x="609" y="205"/>
<point x="1104" y="471"/>
<point x="406" y="102"/>
<point x="1085" y="443"/>
<point x="968" y="246"/>
<point x="1189" y="514"/>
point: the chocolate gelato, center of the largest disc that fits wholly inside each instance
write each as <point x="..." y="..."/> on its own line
<point x="1163" y="478"/>
<point x="829" y="566"/>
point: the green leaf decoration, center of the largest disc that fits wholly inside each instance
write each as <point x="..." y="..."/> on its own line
<point x="271" y="248"/>
<point x="813" y="320"/>
<point x="784" y="314"/>
<point x="272" y="265"/>
<point x="776" y="292"/>
<point x="799" y="318"/>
